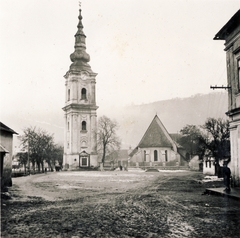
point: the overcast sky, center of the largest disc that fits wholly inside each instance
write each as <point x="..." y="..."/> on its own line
<point x="142" y="50"/>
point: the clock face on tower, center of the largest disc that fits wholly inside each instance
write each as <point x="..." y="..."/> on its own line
<point x="83" y="75"/>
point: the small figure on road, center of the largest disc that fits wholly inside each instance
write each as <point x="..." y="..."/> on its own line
<point x="226" y="176"/>
<point x="120" y="167"/>
<point x="45" y="170"/>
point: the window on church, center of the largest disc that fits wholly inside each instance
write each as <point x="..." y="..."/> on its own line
<point x="145" y="155"/>
<point x="84" y="93"/>
<point x="68" y="94"/>
<point x="166" y="156"/>
<point x="84" y="162"/>
<point x="155" y="155"/>
<point x="68" y="126"/>
<point x="84" y="126"/>
<point x="239" y="75"/>
<point x="84" y="144"/>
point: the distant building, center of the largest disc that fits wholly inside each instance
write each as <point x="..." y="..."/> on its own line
<point x="230" y="32"/>
<point x="117" y="158"/>
<point x="6" y="148"/>
<point x="195" y="163"/>
<point x="156" y="148"/>
<point x="80" y="138"/>
<point x="209" y="166"/>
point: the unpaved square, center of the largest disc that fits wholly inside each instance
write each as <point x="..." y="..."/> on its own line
<point x="117" y="204"/>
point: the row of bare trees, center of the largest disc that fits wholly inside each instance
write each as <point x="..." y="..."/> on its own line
<point x="40" y="147"/>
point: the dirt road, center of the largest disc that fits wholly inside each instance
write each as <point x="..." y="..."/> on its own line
<point x="117" y="204"/>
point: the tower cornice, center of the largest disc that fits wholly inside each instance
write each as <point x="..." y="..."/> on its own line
<point x="79" y="107"/>
<point x="78" y="73"/>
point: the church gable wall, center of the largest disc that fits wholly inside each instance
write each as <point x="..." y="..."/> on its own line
<point x="155" y="156"/>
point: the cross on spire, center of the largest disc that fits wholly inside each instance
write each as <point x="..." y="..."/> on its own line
<point x="80" y="4"/>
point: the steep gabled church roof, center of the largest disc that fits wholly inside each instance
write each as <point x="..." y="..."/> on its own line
<point x="156" y="135"/>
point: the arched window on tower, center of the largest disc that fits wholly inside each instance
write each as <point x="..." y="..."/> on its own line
<point x="155" y="155"/>
<point x="68" y="94"/>
<point x="84" y="126"/>
<point x="84" y="93"/>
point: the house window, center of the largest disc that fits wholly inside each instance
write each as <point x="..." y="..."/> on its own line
<point x="84" y="126"/>
<point x="155" y="155"/>
<point x="239" y="75"/>
<point x="84" y="93"/>
<point x="68" y="94"/>
<point x="166" y="156"/>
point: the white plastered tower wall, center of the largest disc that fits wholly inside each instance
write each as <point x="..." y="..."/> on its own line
<point x="80" y="108"/>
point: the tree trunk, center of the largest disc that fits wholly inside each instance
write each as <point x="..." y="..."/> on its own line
<point x="38" y="165"/>
<point x="25" y="169"/>
<point x="42" y="167"/>
<point x="33" y="166"/>
<point x="49" y="164"/>
<point x="104" y="153"/>
<point x="217" y="169"/>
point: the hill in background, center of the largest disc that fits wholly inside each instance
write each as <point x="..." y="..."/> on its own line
<point x="174" y="114"/>
<point x="133" y="120"/>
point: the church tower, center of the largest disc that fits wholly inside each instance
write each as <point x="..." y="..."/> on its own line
<point x="80" y="138"/>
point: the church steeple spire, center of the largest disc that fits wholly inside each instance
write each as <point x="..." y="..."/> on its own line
<point x="80" y="57"/>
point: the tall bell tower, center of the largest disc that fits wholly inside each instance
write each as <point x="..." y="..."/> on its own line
<point x="80" y="138"/>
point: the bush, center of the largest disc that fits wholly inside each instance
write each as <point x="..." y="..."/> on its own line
<point x="6" y="178"/>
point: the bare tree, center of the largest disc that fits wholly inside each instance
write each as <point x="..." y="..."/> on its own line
<point x="23" y="160"/>
<point x="217" y="139"/>
<point x="55" y="156"/>
<point x="107" y="137"/>
<point x="39" y="145"/>
<point x="192" y="140"/>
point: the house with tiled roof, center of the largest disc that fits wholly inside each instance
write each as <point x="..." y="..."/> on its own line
<point x="157" y="148"/>
<point x="6" y="145"/>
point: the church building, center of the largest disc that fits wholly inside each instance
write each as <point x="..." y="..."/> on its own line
<point x="80" y="137"/>
<point x="157" y="148"/>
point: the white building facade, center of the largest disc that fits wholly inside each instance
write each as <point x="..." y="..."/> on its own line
<point x="230" y="32"/>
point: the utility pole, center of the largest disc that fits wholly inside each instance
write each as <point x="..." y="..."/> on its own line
<point x="28" y="160"/>
<point x="220" y="87"/>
